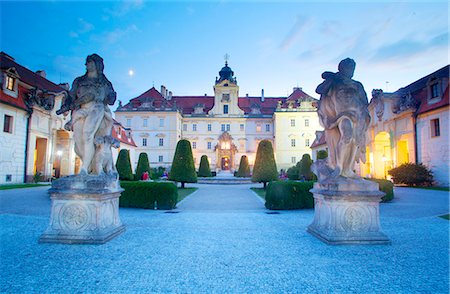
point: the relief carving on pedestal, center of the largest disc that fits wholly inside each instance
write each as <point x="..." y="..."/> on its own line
<point x="74" y="216"/>
<point x="355" y="219"/>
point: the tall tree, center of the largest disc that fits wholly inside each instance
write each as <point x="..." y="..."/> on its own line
<point x="142" y="166"/>
<point x="305" y="168"/>
<point x="265" y="169"/>
<point x="244" y="168"/>
<point x="123" y="166"/>
<point x="183" y="168"/>
<point x="204" y="169"/>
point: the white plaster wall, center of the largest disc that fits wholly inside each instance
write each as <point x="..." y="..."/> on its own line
<point x="434" y="152"/>
<point x="12" y="146"/>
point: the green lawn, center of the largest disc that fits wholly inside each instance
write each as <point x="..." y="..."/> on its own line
<point x="260" y="191"/>
<point x="18" y="186"/>
<point x="445" y="216"/>
<point x="183" y="193"/>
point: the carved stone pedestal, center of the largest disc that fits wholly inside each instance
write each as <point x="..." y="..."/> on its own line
<point x="347" y="212"/>
<point x="85" y="210"/>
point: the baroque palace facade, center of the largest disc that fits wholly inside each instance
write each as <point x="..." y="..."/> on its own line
<point x="224" y="126"/>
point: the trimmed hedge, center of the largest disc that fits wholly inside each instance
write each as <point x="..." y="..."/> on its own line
<point x="386" y="187"/>
<point x="183" y="168"/>
<point x="244" y="168"/>
<point x="145" y="194"/>
<point x="265" y="168"/>
<point x="412" y="174"/>
<point x="204" y="169"/>
<point x="289" y="195"/>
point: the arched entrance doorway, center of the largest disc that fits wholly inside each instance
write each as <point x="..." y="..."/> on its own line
<point x="382" y="156"/>
<point x="225" y="152"/>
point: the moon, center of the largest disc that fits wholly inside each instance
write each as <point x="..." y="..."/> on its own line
<point x="131" y="72"/>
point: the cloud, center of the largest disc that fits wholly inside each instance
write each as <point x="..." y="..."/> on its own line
<point x="83" y="28"/>
<point x="116" y="35"/>
<point x="124" y="7"/>
<point x="407" y="48"/>
<point x="300" y="26"/>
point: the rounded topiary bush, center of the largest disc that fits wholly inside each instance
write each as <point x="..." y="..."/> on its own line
<point x="412" y="174"/>
<point x="142" y="166"/>
<point x="244" y="168"/>
<point x="204" y="169"/>
<point x="123" y="166"/>
<point x="292" y="173"/>
<point x="183" y="168"/>
<point x="289" y="195"/>
<point x="265" y="169"/>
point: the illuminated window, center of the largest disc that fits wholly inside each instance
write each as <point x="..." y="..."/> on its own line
<point x="435" y="128"/>
<point x="258" y="128"/>
<point x="209" y="127"/>
<point x="144" y="141"/>
<point x="10" y="83"/>
<point x="7" y="124"/>
<point x="292" y="142"/>
<point x="161" y="141"/>
<point x="225" y="145"/>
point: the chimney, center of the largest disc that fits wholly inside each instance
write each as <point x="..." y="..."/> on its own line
<point x="262" y="95"/>
<point x="170" y="96"/>
<point x="42" y="73"/>
<point x="246" y="95"/>
<point x="65" y="86"/>
<point x="297" y="88"/>
<point x="163" y="91"/>
<point x="205" y="95"/>
<point x="167" y="94"/>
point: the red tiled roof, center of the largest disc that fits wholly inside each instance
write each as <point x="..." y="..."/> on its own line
<point x="425" y="106"/>
<point x="319" y="142"/>
<point x="152" y="97"/>
<point x="267" y="107"/>
<point x="123" y="134"/>
<point x="187" y="103"/>
<point x="296" y="96"/>
<point x="26" y="76"/>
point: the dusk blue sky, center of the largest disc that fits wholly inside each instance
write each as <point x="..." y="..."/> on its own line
<point x="272" y="45"/>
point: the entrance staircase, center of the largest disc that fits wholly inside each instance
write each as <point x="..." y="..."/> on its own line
<point x="224" y="178"/>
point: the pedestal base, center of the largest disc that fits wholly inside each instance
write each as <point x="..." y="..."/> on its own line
<point x="346" y="214"/>
<point x="83" y="216"/>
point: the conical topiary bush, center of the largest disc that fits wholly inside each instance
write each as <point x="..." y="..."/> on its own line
<point x="244" y="168"/>
<point x="305" y="172"/>
<point x="265" y="169"/>
<point x="123" y="166"/>
<point x="204" y="169"/>
<point x="142" y="166"/>
<point x="183" y="168"/>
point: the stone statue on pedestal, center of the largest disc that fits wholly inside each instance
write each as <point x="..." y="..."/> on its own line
<point x="346" y="206"/>
<point x="85" y="207"/>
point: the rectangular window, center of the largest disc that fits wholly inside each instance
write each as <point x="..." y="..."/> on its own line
<point x="292" y="142"/>
<point x="160" y="158"/>
<point x="7" y="124"/>
<point x="228" y="127"/>
<point x="185" y="127"/>
<point x="145" y="122"/>
<point x="144" y="141"/>
<point x="435" y="128"/>
<point x="307" y="142"/>
<point x="161" y="122"/>
<point x="128" y="122"/>
<point x="293" y="159"/>
<point x="292" y="122"/>
<point x="267" y="128"/>
<point x="223" y="127"/>
<point x="225" y="109"/>
<point x="10" y="83"/>
<point x="241" y="127"/>
<point x="161" y="141"/>
<point x="194" y="145"/>
<point x="435" y="90"/>
<point x="258" y="128"/>
<point x="209" y="145"/>
<point x="209" y="127"/>
<point x="306" y="122"/>
<point x="194" y="127"/>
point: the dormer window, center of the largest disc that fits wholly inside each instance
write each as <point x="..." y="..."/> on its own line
<point x="10" y="83"/>
<point x="434" y="90"/>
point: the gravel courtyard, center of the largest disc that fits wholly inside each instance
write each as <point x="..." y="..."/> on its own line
<point x="221" y="240"/>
